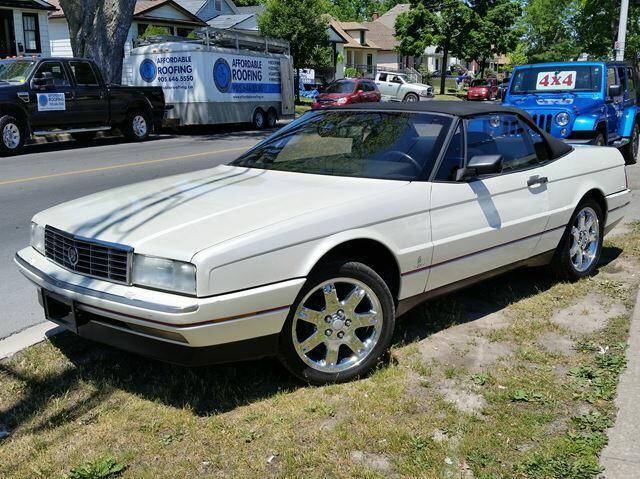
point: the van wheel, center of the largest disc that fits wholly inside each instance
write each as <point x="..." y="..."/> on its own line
<point x="136" y="126"/>
<point x="630" y="150"/>
<point x="340" y="325"/>
<point x="12" y="136"/>
<point x="272" y="118"/>
<point x="84" y="136"/>
<point x="259" y="119"/>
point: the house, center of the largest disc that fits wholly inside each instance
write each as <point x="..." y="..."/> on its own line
<point x="353" y="48"/>
<point x="208" y="9"/>
<point x="24" y="27"/>
<point x="167" y="14"/>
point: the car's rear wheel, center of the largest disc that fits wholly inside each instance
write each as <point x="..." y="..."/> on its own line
<point x="630" y="150"/>
<point x="579" y="250"/>
<point x="259" y="119"/>
<point x="272" y="118"/>
<point x="12" y="135"/>
<point x="340" y="325"/>
<point x="137" y="126"/>
<point x="599" y="139"/>
<point x="411" y="97"/>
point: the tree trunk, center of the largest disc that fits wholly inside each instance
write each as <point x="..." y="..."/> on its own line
<point x="483" y="65"/>
<point x="443" y="72"/>
<point x="98" y="30"/>
<point x="298" y="85"/>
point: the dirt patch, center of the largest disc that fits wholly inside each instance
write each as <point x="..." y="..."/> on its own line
<point x="377" y="462"/>
<point x="465" y="401"/>
<point x="588" y="315"/>
<point x="556" y="343"/>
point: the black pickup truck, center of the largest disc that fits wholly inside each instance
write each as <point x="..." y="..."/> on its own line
<point x="47" y="96"/>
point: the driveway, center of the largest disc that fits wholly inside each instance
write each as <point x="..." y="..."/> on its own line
<point x="52" y="173"/>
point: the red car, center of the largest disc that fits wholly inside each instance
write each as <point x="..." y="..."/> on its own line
<point x="486" y="89"/>
<point x="347" y="91"/>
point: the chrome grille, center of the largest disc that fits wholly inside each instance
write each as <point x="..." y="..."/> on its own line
<point x="89" y="257"/>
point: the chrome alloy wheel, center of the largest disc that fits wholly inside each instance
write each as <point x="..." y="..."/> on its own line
<point x="11" y="136"/>
<point x="337" y="325"/>
<point x="585" y="234"/>
<point x="139" y="126"/>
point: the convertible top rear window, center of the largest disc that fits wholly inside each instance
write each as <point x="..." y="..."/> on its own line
<point x="366" y="144"/>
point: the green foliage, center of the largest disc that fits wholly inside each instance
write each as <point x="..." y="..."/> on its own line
<point x="247" y="3"/>
<point x="302" y="23"/>
<point x="359" y="10"/>
<point x="350" y="72"/>
<point x="106" y="468"/>
<point x="154" y="30"/>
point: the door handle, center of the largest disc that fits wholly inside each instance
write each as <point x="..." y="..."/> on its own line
<point x="68" y="95"/>
<point x="537" y="180"/>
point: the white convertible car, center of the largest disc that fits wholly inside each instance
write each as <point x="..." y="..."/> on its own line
<point x="312" y="243"/>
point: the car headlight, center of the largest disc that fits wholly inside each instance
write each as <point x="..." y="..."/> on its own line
<point x="425" y="93"/>
<point x="563" y="119"/>
<point x="164" y="274"/>
<point x="37" y="237"/>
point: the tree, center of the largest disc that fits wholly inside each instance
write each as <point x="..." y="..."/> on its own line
<point x="303" y="24"/>
<point x="549" y="30"/>
<point x="441" y="25"/>
<point x="98" y="30"/>
<point x="359" y="10"/>
<point x="493" y="31"/>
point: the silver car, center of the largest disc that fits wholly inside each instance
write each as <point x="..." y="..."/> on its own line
<point x="398" y="87"/>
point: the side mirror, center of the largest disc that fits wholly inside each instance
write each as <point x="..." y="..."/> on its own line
<point x="480" y="165"/>
<point x="43" y="82"/>
<point x="615" y="90"/>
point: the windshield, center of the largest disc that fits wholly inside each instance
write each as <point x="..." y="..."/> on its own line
<point x="382" y="145"/>
<point x="480" y="83"/>
<point x="566" y="78"/>
<point x="341" y="87"/>
<point x="15" y="71"/>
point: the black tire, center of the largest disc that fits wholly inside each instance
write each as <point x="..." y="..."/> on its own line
<point x="137" y="126"/>
<point x="12" y="135"/>
<point x="272" y="118"/>
<point x="411" y="97"/>
<point x="562" y="263"/>
<point x="84" y="136"/>
<point x="599" y="139"/>
<point x="630" y="150"/>
<point x="259" y="119"/>
<point x="361" y="273"/>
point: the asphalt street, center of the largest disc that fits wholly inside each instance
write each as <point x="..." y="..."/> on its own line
<point x="52" y="173"/>
<point x="49" y="174"/>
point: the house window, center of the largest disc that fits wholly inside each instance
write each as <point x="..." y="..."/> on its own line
<point x="218" y="5"/>
<point x="362" y="37"/>
<point x="31" y="32"/>
<point x="184" y="32"/>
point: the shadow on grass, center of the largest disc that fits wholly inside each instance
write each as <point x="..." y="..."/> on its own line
<point x="217" y="389"/>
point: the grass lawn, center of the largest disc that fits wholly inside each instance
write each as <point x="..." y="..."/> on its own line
<point x="303" y="106"/>
<point x="514" y="378"/>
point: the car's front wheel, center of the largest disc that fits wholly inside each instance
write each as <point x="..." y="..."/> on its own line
<point x="340" y="325"/>
<point x="411" y="97"/>
<point x="579" y="250"/>
<point x="12" y="136"/>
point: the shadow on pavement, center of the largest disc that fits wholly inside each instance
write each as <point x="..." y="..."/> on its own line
<point x="217" y="389"/>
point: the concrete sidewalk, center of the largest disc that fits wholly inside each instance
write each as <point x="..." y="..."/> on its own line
<point x="621" y="457"/>
<point x="28" y="337"/>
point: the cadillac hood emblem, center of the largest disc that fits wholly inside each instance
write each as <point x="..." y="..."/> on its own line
<point x="72" y="255"/>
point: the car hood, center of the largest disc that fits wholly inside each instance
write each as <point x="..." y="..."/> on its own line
<point x="331" y="96"/>
<point x="420" y="86"/>
<point x="178" y="216"/>
<point x="571" y="104"/>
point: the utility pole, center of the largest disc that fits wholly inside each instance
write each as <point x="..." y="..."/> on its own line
<point x="622" y="30"/>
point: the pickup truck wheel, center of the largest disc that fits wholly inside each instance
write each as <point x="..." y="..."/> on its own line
<point x="340" y="325"/>
<point x="259" y="119"/>
<point x="84" y="136"/>
<point x="599" y="139"/>
<point x="411" y="97"/>
<point x="13" y="136"/>
<point x="136" y="126"/>
<point x="630" y="150"/>
<point x="579" y="250"/>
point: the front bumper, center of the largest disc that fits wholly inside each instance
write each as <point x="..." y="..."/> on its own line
<point x="151" y="322"/>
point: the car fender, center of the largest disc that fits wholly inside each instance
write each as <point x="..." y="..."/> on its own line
<point x="625" y="125"/>
<point x="587" y="121"/>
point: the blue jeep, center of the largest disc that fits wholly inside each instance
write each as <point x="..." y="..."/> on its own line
<point x="581" y="102"/>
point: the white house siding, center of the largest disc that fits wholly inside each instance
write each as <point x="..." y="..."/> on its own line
<point x="60" y="38"/>
<point x="167" y="11"/>
<point x="209" y="10"/>
<point x="43" y="24"/>
<point x="387" y="59"/>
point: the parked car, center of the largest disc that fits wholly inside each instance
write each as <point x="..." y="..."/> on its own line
<point x="347" y="91"/>
<point x="310" y="244"/>
<point x="46" y="96"/>
<point x="581" y="102"/>
<point x="483" y="89"/>
<point x="398" y="87"/>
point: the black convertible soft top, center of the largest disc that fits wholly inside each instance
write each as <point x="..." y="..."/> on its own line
<point x="461" y="109"/>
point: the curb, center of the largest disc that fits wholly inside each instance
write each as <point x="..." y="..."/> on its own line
<point x="621" y="457"/>
<point x="30" y="336"/>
